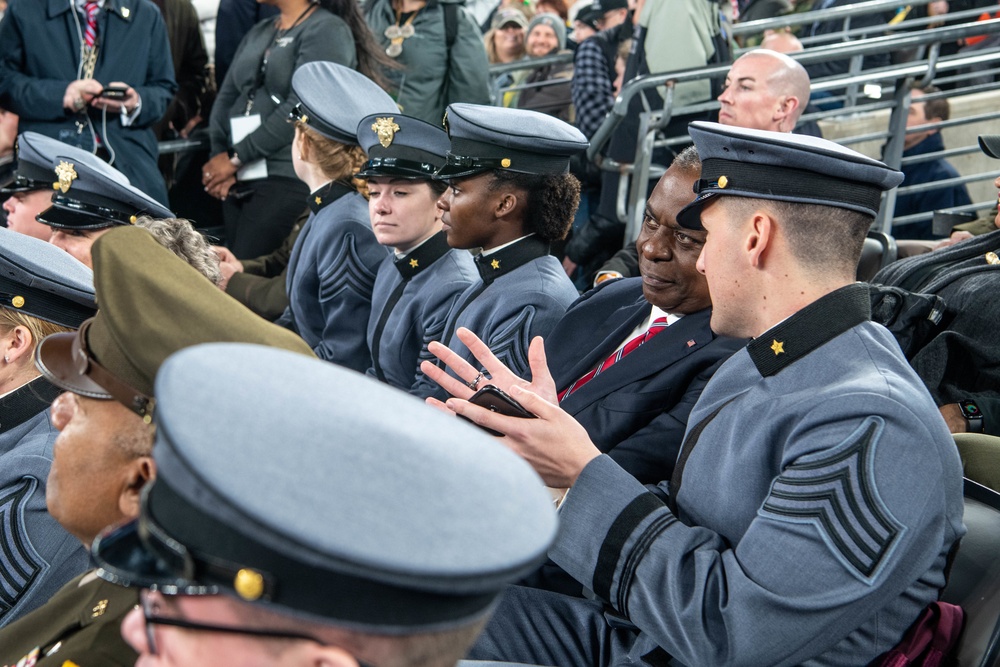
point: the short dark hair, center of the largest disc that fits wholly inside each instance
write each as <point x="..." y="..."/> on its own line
<point x="819" y="236"/>
<point x="936" y="108"/>
<point x="551" y="200"/>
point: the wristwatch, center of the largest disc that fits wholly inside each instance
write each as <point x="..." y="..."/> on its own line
<point x="973" y="416"/>
<point x="233" y="157"/>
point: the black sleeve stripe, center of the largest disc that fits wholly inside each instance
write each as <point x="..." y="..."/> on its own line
<point x="650" y="535"/>
<point x="614" y="542"/>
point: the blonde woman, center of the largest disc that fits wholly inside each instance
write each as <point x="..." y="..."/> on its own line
<point x="331" y="272"/>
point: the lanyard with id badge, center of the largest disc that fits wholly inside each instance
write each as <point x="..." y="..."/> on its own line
<point x="241" y="126"/>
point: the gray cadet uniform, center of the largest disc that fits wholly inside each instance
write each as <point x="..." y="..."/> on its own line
<point x="331" y="272"/>
<point x="414" y="293"/>
<point x="325" y="542"/>
<point x="816" y="496"/>
<point x="37" y="556"/>
<point x="523" y="291"/>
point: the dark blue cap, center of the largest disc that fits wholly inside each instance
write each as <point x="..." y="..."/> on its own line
<point x="44" y="281"/>
<point x="379" y="512"/>
<point x="399" y="145"/>
<point x="91" y="195"/>
<point x="37" y="154"/>
<point x="528" y="142"/>
<point x="738" y="162"/>
<point x="333" y="99"/>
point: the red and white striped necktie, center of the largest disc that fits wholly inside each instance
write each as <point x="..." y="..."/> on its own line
<point x="90" y="34"/>
<point x="658" y="325"/>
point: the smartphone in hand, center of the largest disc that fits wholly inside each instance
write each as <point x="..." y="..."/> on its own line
<point x="495" y="400"/>
<point x="116" y="93"/>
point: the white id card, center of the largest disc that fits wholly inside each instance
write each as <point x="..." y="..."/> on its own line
<point x="240" y="127"/>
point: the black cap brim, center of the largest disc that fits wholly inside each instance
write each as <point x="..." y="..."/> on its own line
<point x="990" y="144"/>
<point x="54" y="359"/>
<point x="60" y="218"/>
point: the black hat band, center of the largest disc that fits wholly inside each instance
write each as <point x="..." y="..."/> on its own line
<point x="784" y="183"/>
<point x="42" y="304"/>
<point x="30" y="176"/>
<point x="303" y="586"/>
<point x="93" y="207"/>
<point x="469" y="154"/>
<point x="390" y="166"/>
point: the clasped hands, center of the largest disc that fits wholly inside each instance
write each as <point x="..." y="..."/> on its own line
<point x="218" y="175"/>
<point x="555" y="444"/>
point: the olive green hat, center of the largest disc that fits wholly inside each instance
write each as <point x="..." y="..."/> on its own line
<point x="151" y="304"/>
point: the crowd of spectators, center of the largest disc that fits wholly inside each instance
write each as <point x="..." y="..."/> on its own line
<point x="382" y="203"/>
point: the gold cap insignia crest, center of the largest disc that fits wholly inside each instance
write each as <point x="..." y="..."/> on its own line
<point x="248" y="584"/>
<point x="66" y="174"/>
<point x="386" y="130"/>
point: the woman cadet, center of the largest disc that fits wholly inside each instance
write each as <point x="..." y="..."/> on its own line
<point x="42" y="291"/>
<point x="418" y="284"/>
<point x="509" y="195"/>
<point x="331" y="271"/>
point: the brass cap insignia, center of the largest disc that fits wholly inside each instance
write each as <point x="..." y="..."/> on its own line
<point x="495" y="263"/>
<point x="414" y="263"/>
<point x="723" y="181"/>
<point x="17" y="301"/>
<point x="386" y="130"/>
<point x="505" y="162"/>
<point x="248" y="584"/>
<point x="66" y="174"/>
<point x="778" y="347"/>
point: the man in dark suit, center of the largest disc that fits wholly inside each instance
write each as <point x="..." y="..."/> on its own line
<point x="634" y="407"/>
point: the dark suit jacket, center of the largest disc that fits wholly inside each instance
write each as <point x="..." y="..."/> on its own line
<point x="636" y="411"/>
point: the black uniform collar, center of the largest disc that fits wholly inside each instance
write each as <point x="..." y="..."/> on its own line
<point x="816" y="324"/>
<point x="25" y="402"/>
<point x="422" y="256"/>
<point x="328" y="194"/>
<point x="517" y="254"/>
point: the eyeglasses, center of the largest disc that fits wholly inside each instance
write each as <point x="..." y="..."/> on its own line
<point x="152" y="618"/>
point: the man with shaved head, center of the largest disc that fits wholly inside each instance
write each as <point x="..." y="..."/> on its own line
<point x="765" y="90"/>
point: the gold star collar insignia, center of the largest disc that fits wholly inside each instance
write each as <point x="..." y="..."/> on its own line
<point x="495" y="264"/>
<point x="66" y="174"/>
<point x="319" y="200"/>
<point x="778" y="347"/>
<point x="386" y="129"/>
<point x="414" y="263"/>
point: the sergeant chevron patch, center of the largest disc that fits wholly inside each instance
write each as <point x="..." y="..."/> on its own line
<point x="347" y="272"/>
<point x="19" y="563"/>
<point x="837" y="494"/>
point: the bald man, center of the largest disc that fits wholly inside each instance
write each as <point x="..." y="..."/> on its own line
<point x="764" y="90"/>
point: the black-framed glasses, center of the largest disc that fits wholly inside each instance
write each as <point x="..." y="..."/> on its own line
<point x="152" y="618"/>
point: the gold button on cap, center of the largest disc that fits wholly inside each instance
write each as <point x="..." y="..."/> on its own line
<point x="248" y="584"/>
<point x="17" y="301"/>
<point x="723" y="181"/>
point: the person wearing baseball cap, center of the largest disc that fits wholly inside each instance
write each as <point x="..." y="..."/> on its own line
<point x="789" y="532"/>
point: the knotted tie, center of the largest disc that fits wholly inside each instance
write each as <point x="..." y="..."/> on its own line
<point x="90" y="34"/>
<point x="658" y="325"/>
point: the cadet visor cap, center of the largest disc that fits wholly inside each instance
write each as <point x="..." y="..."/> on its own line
<point x="738" y="162"/>
<point x="335" y="538"/>
<point x="484" y="138"/>
<point x="41" y="280"/>
<point x="402" y="146"/>
<point x="88" y="194"/>
<point x="333" y="99"/>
